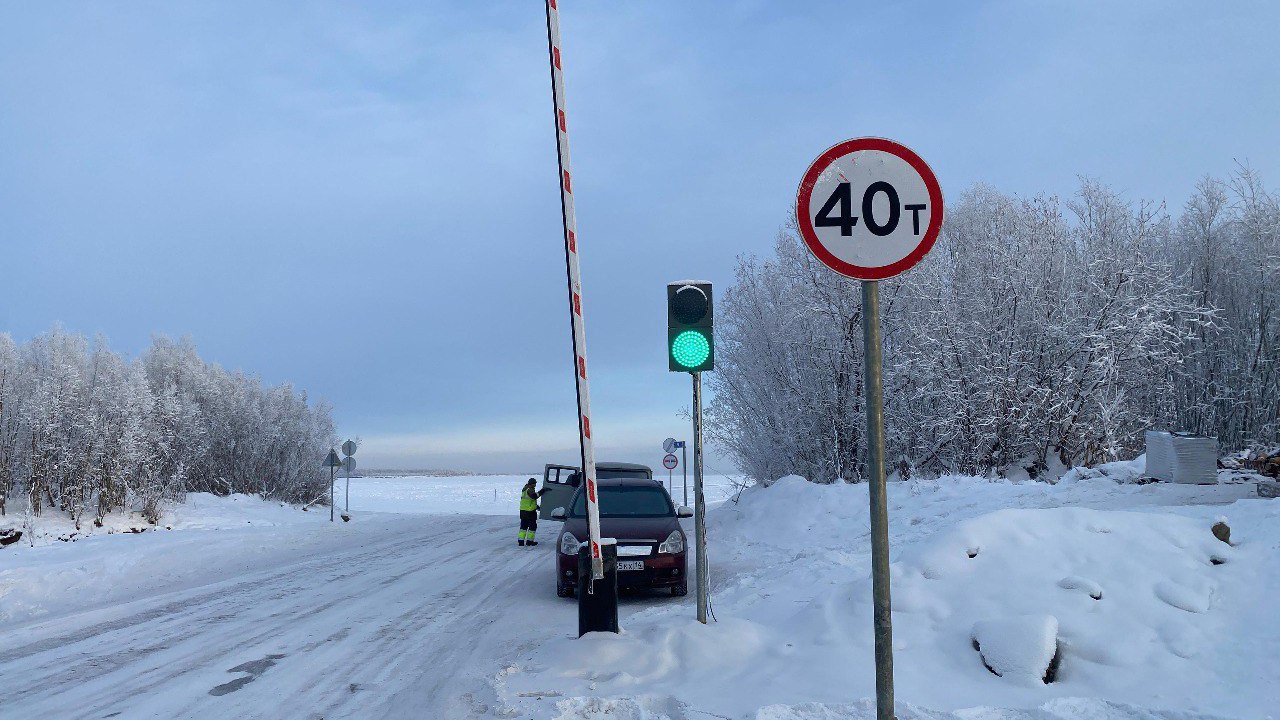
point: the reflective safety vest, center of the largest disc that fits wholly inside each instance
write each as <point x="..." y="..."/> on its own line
<point x="527" y="503"/>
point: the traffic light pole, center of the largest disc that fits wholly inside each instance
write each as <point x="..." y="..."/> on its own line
<point x="699" y="505"/>
<point x="883" y="609"/>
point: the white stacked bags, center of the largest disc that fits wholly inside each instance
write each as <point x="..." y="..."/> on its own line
<point x="1180" y="458"/>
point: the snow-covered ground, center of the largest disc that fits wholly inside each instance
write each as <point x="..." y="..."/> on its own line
<point x="790" y="587"/>
<point x="423" y="607"/>
<point x="206" y="537"/>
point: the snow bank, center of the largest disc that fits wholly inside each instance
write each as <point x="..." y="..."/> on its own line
<point x="1061" y="709"/>
<point x="1126" y="572"/>
<point x="207" y="536"/>
<point x="1038" y="573"/>
<point x="1124" y="471"/>
<point x="200" y="511"/>
<point x="619" y="708"/>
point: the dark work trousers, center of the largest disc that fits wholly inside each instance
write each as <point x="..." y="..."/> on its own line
<point x="528" y="524"/>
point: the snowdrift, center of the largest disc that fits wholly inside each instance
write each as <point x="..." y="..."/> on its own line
<point x="1138" y="608"/>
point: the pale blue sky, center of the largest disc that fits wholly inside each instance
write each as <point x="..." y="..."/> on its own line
<point x="362" y="200"/>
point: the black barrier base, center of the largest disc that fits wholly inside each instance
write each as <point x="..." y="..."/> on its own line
<point x="598" y="602"/>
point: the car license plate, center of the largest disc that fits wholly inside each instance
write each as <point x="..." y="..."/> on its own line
<point x="624" y="565"/>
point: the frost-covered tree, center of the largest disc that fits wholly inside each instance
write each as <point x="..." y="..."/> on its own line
<point x="12" y="392"/>
<point x="1228" y="253"/>
<point x="1038" y="333"/>
<point x="85" y="431"/>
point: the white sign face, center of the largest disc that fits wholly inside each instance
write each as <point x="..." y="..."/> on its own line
<point x="869" y="208"/>
<point x="670" y="462"/>
<point x="668" y="445"/>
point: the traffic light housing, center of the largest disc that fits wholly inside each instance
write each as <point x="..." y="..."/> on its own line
<point x="690" y="343"/>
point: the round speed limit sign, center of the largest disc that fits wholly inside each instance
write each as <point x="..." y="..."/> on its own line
<point x="869" y="208"/>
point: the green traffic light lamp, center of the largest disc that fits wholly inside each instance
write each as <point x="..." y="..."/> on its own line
<point x="690" y="349"/>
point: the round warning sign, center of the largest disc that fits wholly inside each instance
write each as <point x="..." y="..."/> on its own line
<point x="670" y="462"/>
<point x="869" y="208"/>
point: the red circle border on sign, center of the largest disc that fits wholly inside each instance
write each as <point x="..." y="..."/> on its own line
<point x="810" y="236"/>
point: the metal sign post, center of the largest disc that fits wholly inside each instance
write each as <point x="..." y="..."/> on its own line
<point x="684" y="468"/>
<point x="699" y="507"/>
<point x="349" y="464"/>
<point x="669" y="446"/>
<point x="876" y="490"/>
<point x="870" y="209"/>
<point x="333" y="463"/>
<point x="669" y="462"/>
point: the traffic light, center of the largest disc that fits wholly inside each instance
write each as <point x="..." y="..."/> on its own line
<point x="690" y="344"/>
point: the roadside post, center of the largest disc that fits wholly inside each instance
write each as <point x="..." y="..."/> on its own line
<point x="669" y="462"/>
<point x="700" y="505"/>
<point x="333" y="463"/>
<point x="691" y="348"/>
<point x="577" y="327"/>
<point x="871" y="209"/>
<point x="670" y="445"/>
<point x="684" y="469"/>
<point x="349" y="465"/>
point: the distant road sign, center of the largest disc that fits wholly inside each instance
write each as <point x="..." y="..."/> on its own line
<point x="349" y="464"/>
<point x="869" y="208"/>
<point x="332" y="460"/>
<point x="349" y="448"/>
<point x="670" y="462"/>
<point x="668" y="445"/>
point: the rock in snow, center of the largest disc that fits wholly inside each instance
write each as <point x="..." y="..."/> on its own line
<point x="1022" y="647"/>
<point x="1075" y="582"/>
<point x="1222" y="530"/>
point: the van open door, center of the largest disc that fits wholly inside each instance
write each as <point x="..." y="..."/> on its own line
<point x="560" y="482"/>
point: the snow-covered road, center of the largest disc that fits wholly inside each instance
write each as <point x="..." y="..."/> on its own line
<point x="386" y="624"/>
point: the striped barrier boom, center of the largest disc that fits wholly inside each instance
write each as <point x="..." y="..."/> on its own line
<point x="575" y="287"/>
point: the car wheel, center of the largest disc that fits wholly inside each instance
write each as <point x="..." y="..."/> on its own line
<point x="680" y="590"/>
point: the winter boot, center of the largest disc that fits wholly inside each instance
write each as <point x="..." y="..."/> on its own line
<point x="520" y="543"/>
<point x="531" y="543"/>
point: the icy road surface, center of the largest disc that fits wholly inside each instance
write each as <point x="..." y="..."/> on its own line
<point x="388" y="620"/>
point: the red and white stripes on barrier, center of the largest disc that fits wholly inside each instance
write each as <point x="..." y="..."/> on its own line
<point x="575" y="289"/>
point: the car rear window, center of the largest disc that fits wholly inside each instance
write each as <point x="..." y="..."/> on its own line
<point x="628" y="502"/>
<point x="606" y="473"/>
